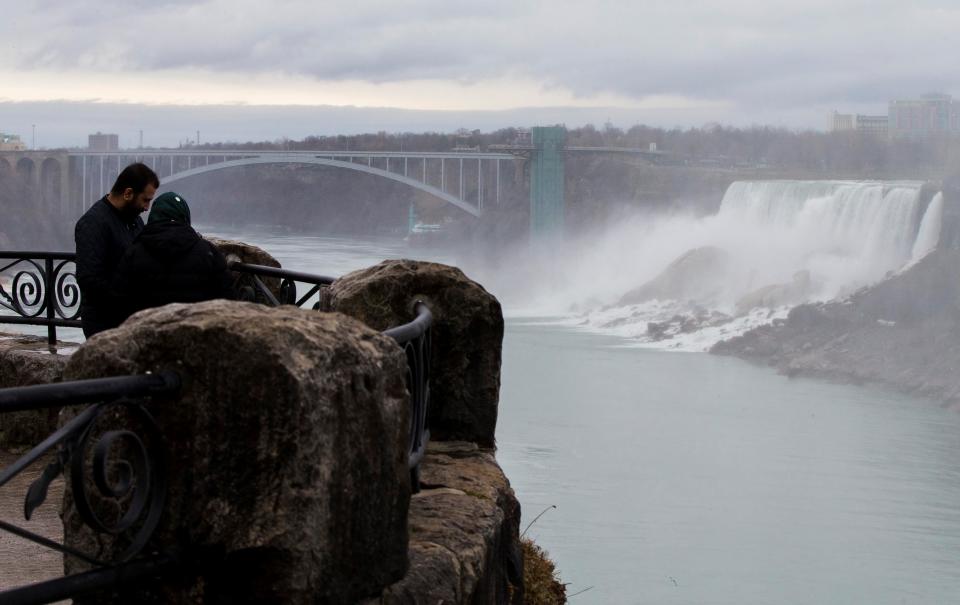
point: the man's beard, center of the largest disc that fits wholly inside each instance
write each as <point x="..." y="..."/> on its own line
<point x="130" y="213"/>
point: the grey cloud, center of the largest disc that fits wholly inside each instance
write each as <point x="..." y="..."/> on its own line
<point x="745" y="51"/>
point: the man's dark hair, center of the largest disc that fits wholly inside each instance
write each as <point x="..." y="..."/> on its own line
<point x="135" y="176"/>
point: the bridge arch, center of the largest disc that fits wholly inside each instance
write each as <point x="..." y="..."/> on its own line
<point x="5" y="168"/>
<point x="319" y="161"/>
<point x="26" y="169"/>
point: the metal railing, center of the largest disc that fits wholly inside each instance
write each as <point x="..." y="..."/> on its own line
<point x="415" y="339"/>
<point x="48" y="295"/>
<point x="126" y="467"/>
<point x="259" y="292"/>
<point x="41" y="289"/>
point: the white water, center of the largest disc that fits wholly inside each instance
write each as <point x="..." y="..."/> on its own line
<point x="772" y="245"/>
<point x="929" y="233"/>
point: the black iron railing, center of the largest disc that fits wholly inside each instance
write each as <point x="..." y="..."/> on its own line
<point x="414" y="337"/>
<point x="125" y="466"/>
<point x="39" y="288"/>
<point x="287" y="291"/>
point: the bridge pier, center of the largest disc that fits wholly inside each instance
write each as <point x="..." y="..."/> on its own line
<point x="547" y="191"/>
<point x="44" y="172"/>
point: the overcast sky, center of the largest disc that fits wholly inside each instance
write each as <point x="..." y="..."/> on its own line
<point x="233" y="68"/>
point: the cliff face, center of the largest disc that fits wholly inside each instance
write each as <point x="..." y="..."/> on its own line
<point x="903" y="332"/>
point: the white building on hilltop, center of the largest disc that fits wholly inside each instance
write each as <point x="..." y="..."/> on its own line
<point x="11" y="142"/>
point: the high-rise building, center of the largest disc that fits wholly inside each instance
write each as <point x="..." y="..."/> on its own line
<point x="103" y="142"/>
<point x="930" y="115"/>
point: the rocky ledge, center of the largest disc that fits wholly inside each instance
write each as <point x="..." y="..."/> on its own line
<point x="903" y="333"/>
<point x="464" y="532"/>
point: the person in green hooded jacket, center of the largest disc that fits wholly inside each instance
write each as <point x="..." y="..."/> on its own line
<point x="170" y="262"/>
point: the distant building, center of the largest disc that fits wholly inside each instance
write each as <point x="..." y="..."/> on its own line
<point x="103" y="142"/>
<point x="930" y="115"/>
<point x="11" y="142"/>
<point x="841" y="122"/>
<point x="873" y="125"/>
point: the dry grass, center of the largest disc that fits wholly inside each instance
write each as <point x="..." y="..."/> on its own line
<point x="541" y="584"/>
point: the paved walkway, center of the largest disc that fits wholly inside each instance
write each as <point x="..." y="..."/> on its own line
<point x="21" y="561"/>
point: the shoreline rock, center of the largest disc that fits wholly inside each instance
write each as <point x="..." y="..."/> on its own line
<point x="902" y="333"/>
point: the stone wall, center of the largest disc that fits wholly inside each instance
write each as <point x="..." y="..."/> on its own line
<point x="467" y="337"/>
<point x="464" y="532"/>
<point x="465" y="521"/>
<point x="25" y="361"/>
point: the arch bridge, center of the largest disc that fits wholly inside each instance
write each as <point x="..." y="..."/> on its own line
<point x="73" y="180"/>
<point x="69" y="181"/>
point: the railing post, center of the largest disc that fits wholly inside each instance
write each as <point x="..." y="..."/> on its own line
<point x="48" y="301"/>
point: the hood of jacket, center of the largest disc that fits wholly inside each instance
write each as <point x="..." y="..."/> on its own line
<point x="168" y="239"/>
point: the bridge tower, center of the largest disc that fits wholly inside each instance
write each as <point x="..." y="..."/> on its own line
<point x="547" y="193"/>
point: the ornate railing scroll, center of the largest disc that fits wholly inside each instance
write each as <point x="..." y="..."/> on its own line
<point x="414" y="337"/>
<point x="39" y="288"/>
<point x="122" y="467"/>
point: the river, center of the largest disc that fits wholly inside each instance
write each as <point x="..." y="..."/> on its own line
<point x="689" y="478"/>
<point x="686" y="478"/>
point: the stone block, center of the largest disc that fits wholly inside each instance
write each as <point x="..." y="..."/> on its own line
<point x="286" y="451"/>
<point x="467" y="337"/>
<point x="464" y="533"/>
<point x="25" y="361"/>
<point x="251" y="255"/>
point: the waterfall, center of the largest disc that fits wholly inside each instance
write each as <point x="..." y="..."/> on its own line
<point x="928" y="236"/>
<point x="846" y="234"/>
<point x="686" y="282"/>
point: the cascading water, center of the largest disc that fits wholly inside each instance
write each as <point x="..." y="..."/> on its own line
<point x="686" y="282"/>
<point x="929" y="233"/>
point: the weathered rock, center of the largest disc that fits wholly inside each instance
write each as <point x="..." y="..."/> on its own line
<point x="698" y="274"/>
<point x="777" y="295"/>
<point x="251" y="255"/>
<point x="903" y="332"/>
<point x="287" y="451"/>
<point x="467" y="337"/>
<point x="464" y="533"/>
<point x="246" y="252"/>
<point x="25" y="361"/>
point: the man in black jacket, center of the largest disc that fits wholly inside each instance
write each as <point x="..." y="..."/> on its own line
<point x="102" y="235"/>
<point x="169" y="262"/>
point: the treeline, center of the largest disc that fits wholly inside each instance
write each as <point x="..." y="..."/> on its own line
<point x="802" y="153"/>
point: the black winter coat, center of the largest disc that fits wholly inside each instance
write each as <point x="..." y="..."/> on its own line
<point x="169" y="262"/>
<point x="102" y="235"/>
